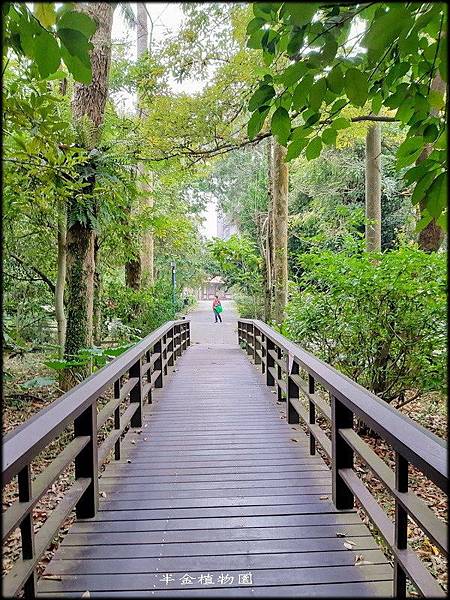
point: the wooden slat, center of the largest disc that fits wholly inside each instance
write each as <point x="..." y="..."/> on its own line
<point x="17" y="511"/>
<point x="265" y="577"/>
<point x="155" y="376"/>
<point x="315" y="430"/>
<point x="22" y="569"/>
<point x="419" y="511"/>
<point x="409" y="561"/>
<point x="319" y="402"/>
<point x="128" y="386"/>
<point x="109" y="442"/>
<point x="148" y="365"/>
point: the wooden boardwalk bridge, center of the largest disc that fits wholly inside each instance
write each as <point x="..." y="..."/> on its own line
<point x="216" y="490"/>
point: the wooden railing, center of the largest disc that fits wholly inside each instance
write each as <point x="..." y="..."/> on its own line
<point x="294" y="373"/>
<point x="145" y="366"/>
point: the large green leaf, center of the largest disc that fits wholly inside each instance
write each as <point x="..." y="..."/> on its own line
<point x="356" y="86"/>
<point x="45" y="13"/>
<point x="409" y="151"/>
<point x="77" y="21"/>
<point x="256" y="122"/>
<point x="436" y="198"/>
<point x="46" y="53"/>
<point x="260" y="97"/>
<point x="335" y="79"/>
<point x="295" y="148"/>
<point x="76" y="44"/>
<point x="301" y="12"/>
<point x="314" y="148"/>
<point x="317" y="93"/>
<point x="301" y="92"/>
<point x="329" y="136"/>
<point x="281" y="125"/>
<point x="80" y="71"/>
<point x="292" y="74"/>
<point x="386" y="28"/>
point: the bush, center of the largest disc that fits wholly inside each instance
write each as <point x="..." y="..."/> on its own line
<point x="378" y="318"/>
<point x="138" y="312"/>
<point x="250" y="307"/>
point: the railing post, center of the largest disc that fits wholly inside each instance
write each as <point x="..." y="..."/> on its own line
<point x="188" y="325"/>
<point x="27" y="529"/>
<point x="117" y="385"/>
<point x="401" y="524"/>
<point x="157" y="348"/>
<point x="171" y="360"/>
<point x="312" y="415"/>
<point x="279" y="374"/>
<point x="270" y="362"/>
<point x="249" y="338"/>
<point x="177" y="352"/>
<point x="256" y="345"/>
<point x="148" y="376"/>
<point x="342" y="454"/>
<point x="86" y="463"/>
<point x="293" y="393"/>
<point x="136" y="394"/>
<point x="165" y="353"/>
<point x="263" y="353"/>
<point x="239" y="333"/>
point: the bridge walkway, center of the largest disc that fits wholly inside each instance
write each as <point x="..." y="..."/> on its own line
<point x="217" y="495"/>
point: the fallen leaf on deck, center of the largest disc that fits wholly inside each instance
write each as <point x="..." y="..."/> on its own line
<point x="294" y="440"/>
<point x="86" y="594"/>
<point x="52" y="577"/>
<point x="339" y="534"/>
<point x="103" y="494"/>
<point x="348" y="546"/>
<point x="323" y="498"/>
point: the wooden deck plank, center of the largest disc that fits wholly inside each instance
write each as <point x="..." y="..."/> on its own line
<point x="262" y="577"/>
<point x="188" y="549"/>
<point x="217" y="482"/>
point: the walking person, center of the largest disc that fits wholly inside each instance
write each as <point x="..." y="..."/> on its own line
<point x="217" y="309"/>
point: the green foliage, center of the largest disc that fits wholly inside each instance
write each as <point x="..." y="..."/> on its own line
<point x="378" y="318"/>
<point x="327" y="198"/>
<point x="38" y="382"/>
<point x="141" y="311"/>
<point x="314" y="70"/>
<point x="49" y="36"/>
<point x="239" y="263"/>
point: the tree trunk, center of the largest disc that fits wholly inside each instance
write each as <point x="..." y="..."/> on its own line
<point x="88" y="107"/>
<point x="373" y="188"/>
<point x="139" y="270"/>
<point x="61" y="278"/>
<point x="97" y="315"/>
<point x="431" y="236"/>
<point x="268" y="247"/>
<point x="280" y="231"/>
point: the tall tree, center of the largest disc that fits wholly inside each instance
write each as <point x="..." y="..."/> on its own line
<point x="268" y="238"/>
<point x="373" y="188"/>
<point x="147" y="245"/>
<point x="88" y="106"/>
<point x="280" y="230"/>
<point x="139" y="269"/>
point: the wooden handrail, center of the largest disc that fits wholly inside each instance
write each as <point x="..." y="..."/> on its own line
<point x="419" y="446"/>
<point x="29" y="438"/>
<point x="79" y="407"/>
<point x="412" y="443"/>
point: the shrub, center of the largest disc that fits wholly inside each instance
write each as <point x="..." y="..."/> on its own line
<point x="250" y="307"/>
<point x="378" y="318"/>
<point x="139" y="312"/>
